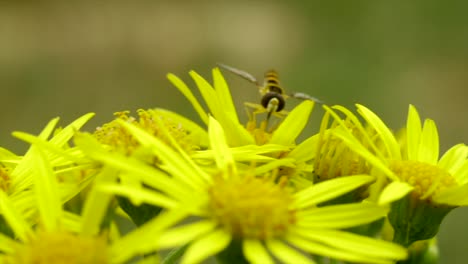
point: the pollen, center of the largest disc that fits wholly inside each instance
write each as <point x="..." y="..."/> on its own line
<point x="4" y="179"/>
<point x="260" y="133"/>
<point x="249" y="207"/>
<point x="428" y="180"/>
<point x="61" y="247"/>
<point x="334" y="159"/>
<point x="116" y="136"/>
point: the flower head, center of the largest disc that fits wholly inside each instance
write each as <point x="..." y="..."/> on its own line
<point x="219" y="101"/>
<point x="431" y="186"/>
<point x="252" y="216"/>
<point x="70" y="168"/>
<point x="189" y="135"/>
<point x="59" y="236"/>
<point x="276" y="141"/>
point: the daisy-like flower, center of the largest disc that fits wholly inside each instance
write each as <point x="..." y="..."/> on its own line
<point x="278" y="141"/>
<point x="71" y="170"/>
<point x="63" y="237"/>
<point x="114" y="136"/>
<point x="189" y="135"/>
<point x="219" y="101"/>
<point x="334" y="158"/>
<point x="430" y="186"/>
<point x="241" y="215"/>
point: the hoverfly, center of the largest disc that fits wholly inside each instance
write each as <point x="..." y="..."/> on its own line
<point x="273" y="95"/>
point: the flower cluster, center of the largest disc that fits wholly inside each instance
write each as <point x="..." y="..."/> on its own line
<point x="353" y="192"/>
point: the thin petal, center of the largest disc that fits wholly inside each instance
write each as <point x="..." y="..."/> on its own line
<point x="273" y="165"/>
<point x="358" y="148"/>
<point x="413" y="133"/>
<point x="182" y="235"/>
<point x="222" y="154"/>
<point x="306" y="150"/>
<point x="357" y="123"/>
<point x="19" y="179"/>
<point x="144" y="238"/>
<point x="293" y="124"/>
<point x="339" y="243"/>
<point x="388" y="139"/>
<point x="46" y="190"/>
<point x="236" y="134"/>
<point x="330" y="189"/>
<point x="461" y="174"/>
<point x="208" y="93"/>
<point x="341" y="216"/>
<point x="178" y="164"/>
<point x="454" y="158"/>
<point x="7" y="245"/>
<point x="14" y="219"/>
<point x="206" y="246"/>
<point x="146" y="173"/>
<point x="65" y="134"/>
<point x="429" y="143"/>
<point x="287" y="254"/>
<point x="255" y="252"/>
<point x="96" y="203"/>
<point x="224" y="94"/>
<point x="139" y="195"/>
<point x="179" y="84"/>
<point x="320" y="249"/>
<point x="454" y="196"/>
<point x="394" y="191"/>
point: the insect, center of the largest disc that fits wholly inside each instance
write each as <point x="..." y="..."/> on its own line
<point x="273" y="95"/>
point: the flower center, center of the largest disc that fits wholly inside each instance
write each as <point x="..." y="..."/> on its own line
<point x="62" y="247"/>
<point x="250" y="207"/>
<point x="334" y="159"/>
<point x="427" y="179"/>
<point x="260" y="134"/>
<point x="116" y="136"/>
<point x="4" y="179"/>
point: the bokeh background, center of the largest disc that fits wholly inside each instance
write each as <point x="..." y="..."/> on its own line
<point x="67" y="58"/>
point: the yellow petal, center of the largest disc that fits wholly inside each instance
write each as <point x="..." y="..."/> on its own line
<point x="429" y="143"/>
<point x="293" y="124"/>
<point x="179" y="84"/>
<point x="255" y="252"/>
<point x="287" y="254"/>
<point x="340" y="216"/>
<point x="182" y="235"/>
<point x="206" y="246"/>
<point x="413" y="133"/>
<point x="394" y="191"/>
<point x="330" y="189"/>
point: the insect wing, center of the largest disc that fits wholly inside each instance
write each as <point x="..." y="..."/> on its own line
<point x="304" y="96"/>
<point x="249" y="77"/>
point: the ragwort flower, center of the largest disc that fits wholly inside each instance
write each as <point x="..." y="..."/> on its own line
<point x="278" y="141"/>
<point x="59" y="236"/>
<point x="431" y="186"/>
<point x="71" y="169"/>
<point x="250" y="217"/>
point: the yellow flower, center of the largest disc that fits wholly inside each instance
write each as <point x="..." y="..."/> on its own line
<point x="221" y="107"/>
<point x="278" y="142"/>
<point x="238" y="213"/>
<point x="71" y="169"/>
<point x="189" y="135"/>
<point x="432" y="186"/>
<point x="59" y="236"/>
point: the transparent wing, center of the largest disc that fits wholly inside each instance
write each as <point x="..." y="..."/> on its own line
<point x="249" y="77"/>
<point x="304" y="96"/>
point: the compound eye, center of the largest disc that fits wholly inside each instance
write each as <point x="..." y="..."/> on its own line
<point x="270" y="96"/>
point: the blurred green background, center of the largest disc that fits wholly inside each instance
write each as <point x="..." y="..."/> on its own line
<point x="67" y="58"/>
